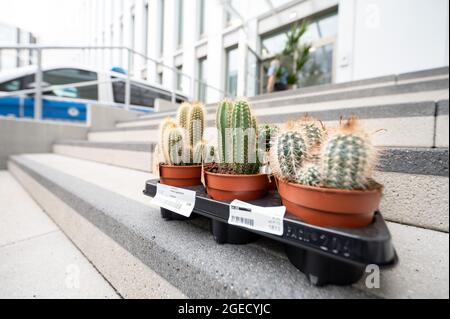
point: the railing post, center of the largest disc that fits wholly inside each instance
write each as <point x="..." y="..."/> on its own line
<point x="38" y="87"/>
<point x="174" y="85"/>
<point x="128" y="82"/>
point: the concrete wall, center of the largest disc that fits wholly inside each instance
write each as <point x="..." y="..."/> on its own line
<point x="19" y="136"/>
<point x="29" y="136"/>
<point x="104" y="117"/>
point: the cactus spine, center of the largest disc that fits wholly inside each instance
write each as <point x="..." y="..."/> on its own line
<point x="223" y="124"/>
<point x="348" y="158"/>
<point x="244" y="139"/>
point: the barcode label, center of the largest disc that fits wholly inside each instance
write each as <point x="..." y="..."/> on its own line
<point x="243" y="221"/>
<point x="178" y="200"/>
<point x="266" y="219"/>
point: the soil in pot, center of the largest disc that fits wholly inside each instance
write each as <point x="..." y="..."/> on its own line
<point x="328" y="207"/>
<point x="228" y="187"/>
<point x="180" y="176"/>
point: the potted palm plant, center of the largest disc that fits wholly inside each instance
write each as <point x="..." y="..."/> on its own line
<point x="182" y="147"/>
<point x="325" y="178"/>
<point x="237" y="175"/>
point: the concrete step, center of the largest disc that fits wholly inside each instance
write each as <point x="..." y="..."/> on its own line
<point x="101" y="208"/>
<point x="135" y="155"/>
<point x="37" y="259"/>
<point x="404" y="171"/>
<point x="329" y="93"/>
<point x="414" y="114"/>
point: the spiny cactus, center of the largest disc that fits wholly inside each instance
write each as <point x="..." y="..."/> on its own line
<point x="348" y="158"/>
<point x="288" y="155"/>
<point x="204" y="153"/>
<point x="175" y="151"/>
<point x="245" y="159"/>
<point x="309" y="175"/>
<point x="312" y="130"/>
<point x="196" y="124"/>
<point x="163" y="148"/>
<point x="224" y="131"/>
<point x="266" y="133"/>
<point x="183" y="115"/>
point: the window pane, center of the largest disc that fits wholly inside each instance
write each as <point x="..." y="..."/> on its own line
<point x="69" y="76"/>
<point x="274" y="44"/>
<point x="202" y="88"/>
<point x="180" y="22"/>
<point x="180" y="78"/>
<point x="13" y="85"/>
<point x="319" y="69"/>
<point x="119" y="92"/>
<point x="232" y="71"/>
<point x="201" y="11"/>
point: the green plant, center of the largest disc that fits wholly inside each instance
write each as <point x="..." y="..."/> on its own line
<point x="178" y="139"/>
<point x="244" y="126"/>
<point x="204" y="153"/>
<point x="309" y="175"/>
<point x="288" y="155"/>
<point x="295" y="55"/>
<point x="223" y="124"/>
<point x="348" y="158"/>
<point x="196" y="124"/>
<point x="183" y="115"/>
<point x="265" y="133"/>
<point x="175" y="148"/>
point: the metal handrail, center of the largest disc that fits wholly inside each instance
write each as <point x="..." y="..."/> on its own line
<point x="39" y="74"/>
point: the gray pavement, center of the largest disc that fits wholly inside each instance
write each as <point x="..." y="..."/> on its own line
<point x="36" y="259"/>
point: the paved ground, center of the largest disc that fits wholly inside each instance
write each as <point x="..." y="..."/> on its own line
<point x="36" y="259"/>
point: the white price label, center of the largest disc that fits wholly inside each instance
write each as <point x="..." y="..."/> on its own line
<point x="265" y="219"/>
<point x="178" y="200"/>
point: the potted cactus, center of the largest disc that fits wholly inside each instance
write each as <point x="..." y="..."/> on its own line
<point x="236" y="176"/>
<point x="265" y="135"/>
<point x="326" y="178"/>
<point x="182" y="147"/>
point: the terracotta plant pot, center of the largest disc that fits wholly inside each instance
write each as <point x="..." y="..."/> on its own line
<point x="228" y="187"/>
<point x="273" y="183"/>
<point x="330" y="207"/>
<point x="180" y="176"/>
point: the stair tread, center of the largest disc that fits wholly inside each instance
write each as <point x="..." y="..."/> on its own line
<point x="399" y="101"/>
<point x="117" y="193"/>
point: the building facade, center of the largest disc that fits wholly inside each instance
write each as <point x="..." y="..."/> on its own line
<point x="206" y="48"/>
<point x="10" y="35"/>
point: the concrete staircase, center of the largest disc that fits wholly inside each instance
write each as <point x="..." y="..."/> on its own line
<point x="93" y="190"/>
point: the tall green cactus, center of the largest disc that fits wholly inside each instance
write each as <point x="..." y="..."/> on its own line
<point x="348" y="158"/>
<point x="196" y="124"/>
<point x="245" y="160"/>
<point x="224" y="131"/>
<point x="288" y="155"/>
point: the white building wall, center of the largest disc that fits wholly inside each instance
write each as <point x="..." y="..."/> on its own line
<point x="382" y="37"/>
<point x="375" y="37"/>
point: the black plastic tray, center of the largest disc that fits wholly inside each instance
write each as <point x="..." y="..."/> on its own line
<point x="326" y="255"/>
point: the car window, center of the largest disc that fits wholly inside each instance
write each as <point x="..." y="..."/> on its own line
<point x="70" y="76"/>
<point x="140" y="96"/>
<point x="17" y="84"/>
